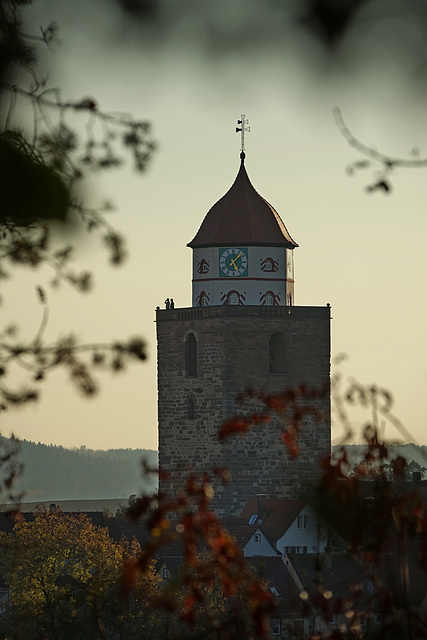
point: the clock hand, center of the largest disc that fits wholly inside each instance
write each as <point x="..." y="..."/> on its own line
<point x="233" y="262"/>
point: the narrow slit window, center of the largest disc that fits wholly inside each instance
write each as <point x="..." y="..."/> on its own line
<point x="191" y="407"/>
<point x="191" y="356"/>
<point x="277" y="353"/>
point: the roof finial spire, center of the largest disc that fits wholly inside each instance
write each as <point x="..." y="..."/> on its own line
<point x="242" y="122"/>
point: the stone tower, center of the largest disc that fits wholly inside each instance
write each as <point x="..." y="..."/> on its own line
<point x="243" y="331"/>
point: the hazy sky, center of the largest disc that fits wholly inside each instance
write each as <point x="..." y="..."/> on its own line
<point x="364" y="254"/>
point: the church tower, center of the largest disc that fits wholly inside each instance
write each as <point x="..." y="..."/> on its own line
<point x="242" y="332"/>
<point x="243" y="253"/>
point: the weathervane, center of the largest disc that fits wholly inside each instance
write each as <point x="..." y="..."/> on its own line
<point x="244" y="121"/>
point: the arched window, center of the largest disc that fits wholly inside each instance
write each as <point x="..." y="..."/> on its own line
<point x="277" y="353"/>
<point x="202" y="299"/>
<point x="191" y="406"/>
<point x="269" y="299"/>
<point x="233" y="298"/>
<point x="269" y="264"/>
<point x="191" y="356"/>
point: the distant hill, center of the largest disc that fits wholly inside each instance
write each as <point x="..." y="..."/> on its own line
<point x="54" y="473"/>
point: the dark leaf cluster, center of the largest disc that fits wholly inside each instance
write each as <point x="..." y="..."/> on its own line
<point x="45" y="156"/>
<point x="212" y="561"/>
<point x="38" y="358"/>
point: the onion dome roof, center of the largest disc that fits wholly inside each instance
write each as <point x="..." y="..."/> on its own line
<point x="242" y="217"/>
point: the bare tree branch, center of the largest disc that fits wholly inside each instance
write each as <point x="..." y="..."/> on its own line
<point x="386" y="163"/>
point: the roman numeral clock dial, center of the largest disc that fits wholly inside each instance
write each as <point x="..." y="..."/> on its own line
<point x="233" y="262"/>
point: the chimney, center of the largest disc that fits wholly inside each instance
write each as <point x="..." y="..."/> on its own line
<point x="416" y="477"/>
<point x="328" y="557"/>
<point x="262" y="498"/>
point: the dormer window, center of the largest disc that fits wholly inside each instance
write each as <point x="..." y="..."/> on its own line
<point x="275" y="627"/>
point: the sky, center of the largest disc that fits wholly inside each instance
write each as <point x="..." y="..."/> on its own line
<point x="362" y="253"/>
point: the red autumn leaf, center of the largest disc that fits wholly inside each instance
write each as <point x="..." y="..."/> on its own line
<point x="290" y="441"/>
<point x="235" y="425"/>
<point x="130" y="573"/>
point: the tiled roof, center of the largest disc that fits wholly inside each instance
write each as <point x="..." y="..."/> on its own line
<point x="360" y="517"/>
<point x="277" y="517"/>
<point x="242" y="217"/>
<point x="6" y="523"/>
<point x="119" y="528"/>
<point x="343" y="572"/>
<point x="274" y="571"/>
<point x="239" y="529"/>
<point x="415" y="571"/>
<point x="242" y="531"/>
<point x="338" y="575"/>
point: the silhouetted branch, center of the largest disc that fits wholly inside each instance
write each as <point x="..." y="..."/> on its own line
<point x="386" y="162"/>
<point x="39" y="359"/>
<point x="44" y="161"/>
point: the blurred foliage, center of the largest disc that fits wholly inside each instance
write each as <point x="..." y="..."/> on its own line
<point x="381" y="517"/>
<point x="214" y="592"/>
<point x="11" y="469"/>
<point x="58" y="564"/>
<point x="48" y="147"/>
<point x="70" y="583"/>
<point x="209" y="590"/>
<point x="344" y="32"/>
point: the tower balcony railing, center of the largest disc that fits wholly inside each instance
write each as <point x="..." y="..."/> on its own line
<point x="222" y="311"/>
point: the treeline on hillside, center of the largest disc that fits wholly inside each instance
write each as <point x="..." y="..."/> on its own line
<point x="53" y="472"/>
<point x="411" y="452"/>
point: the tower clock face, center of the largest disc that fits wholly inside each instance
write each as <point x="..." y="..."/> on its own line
<point x="233" y="262"/>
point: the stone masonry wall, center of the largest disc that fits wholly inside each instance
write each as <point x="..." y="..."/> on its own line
<point x="232" y="356"/>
